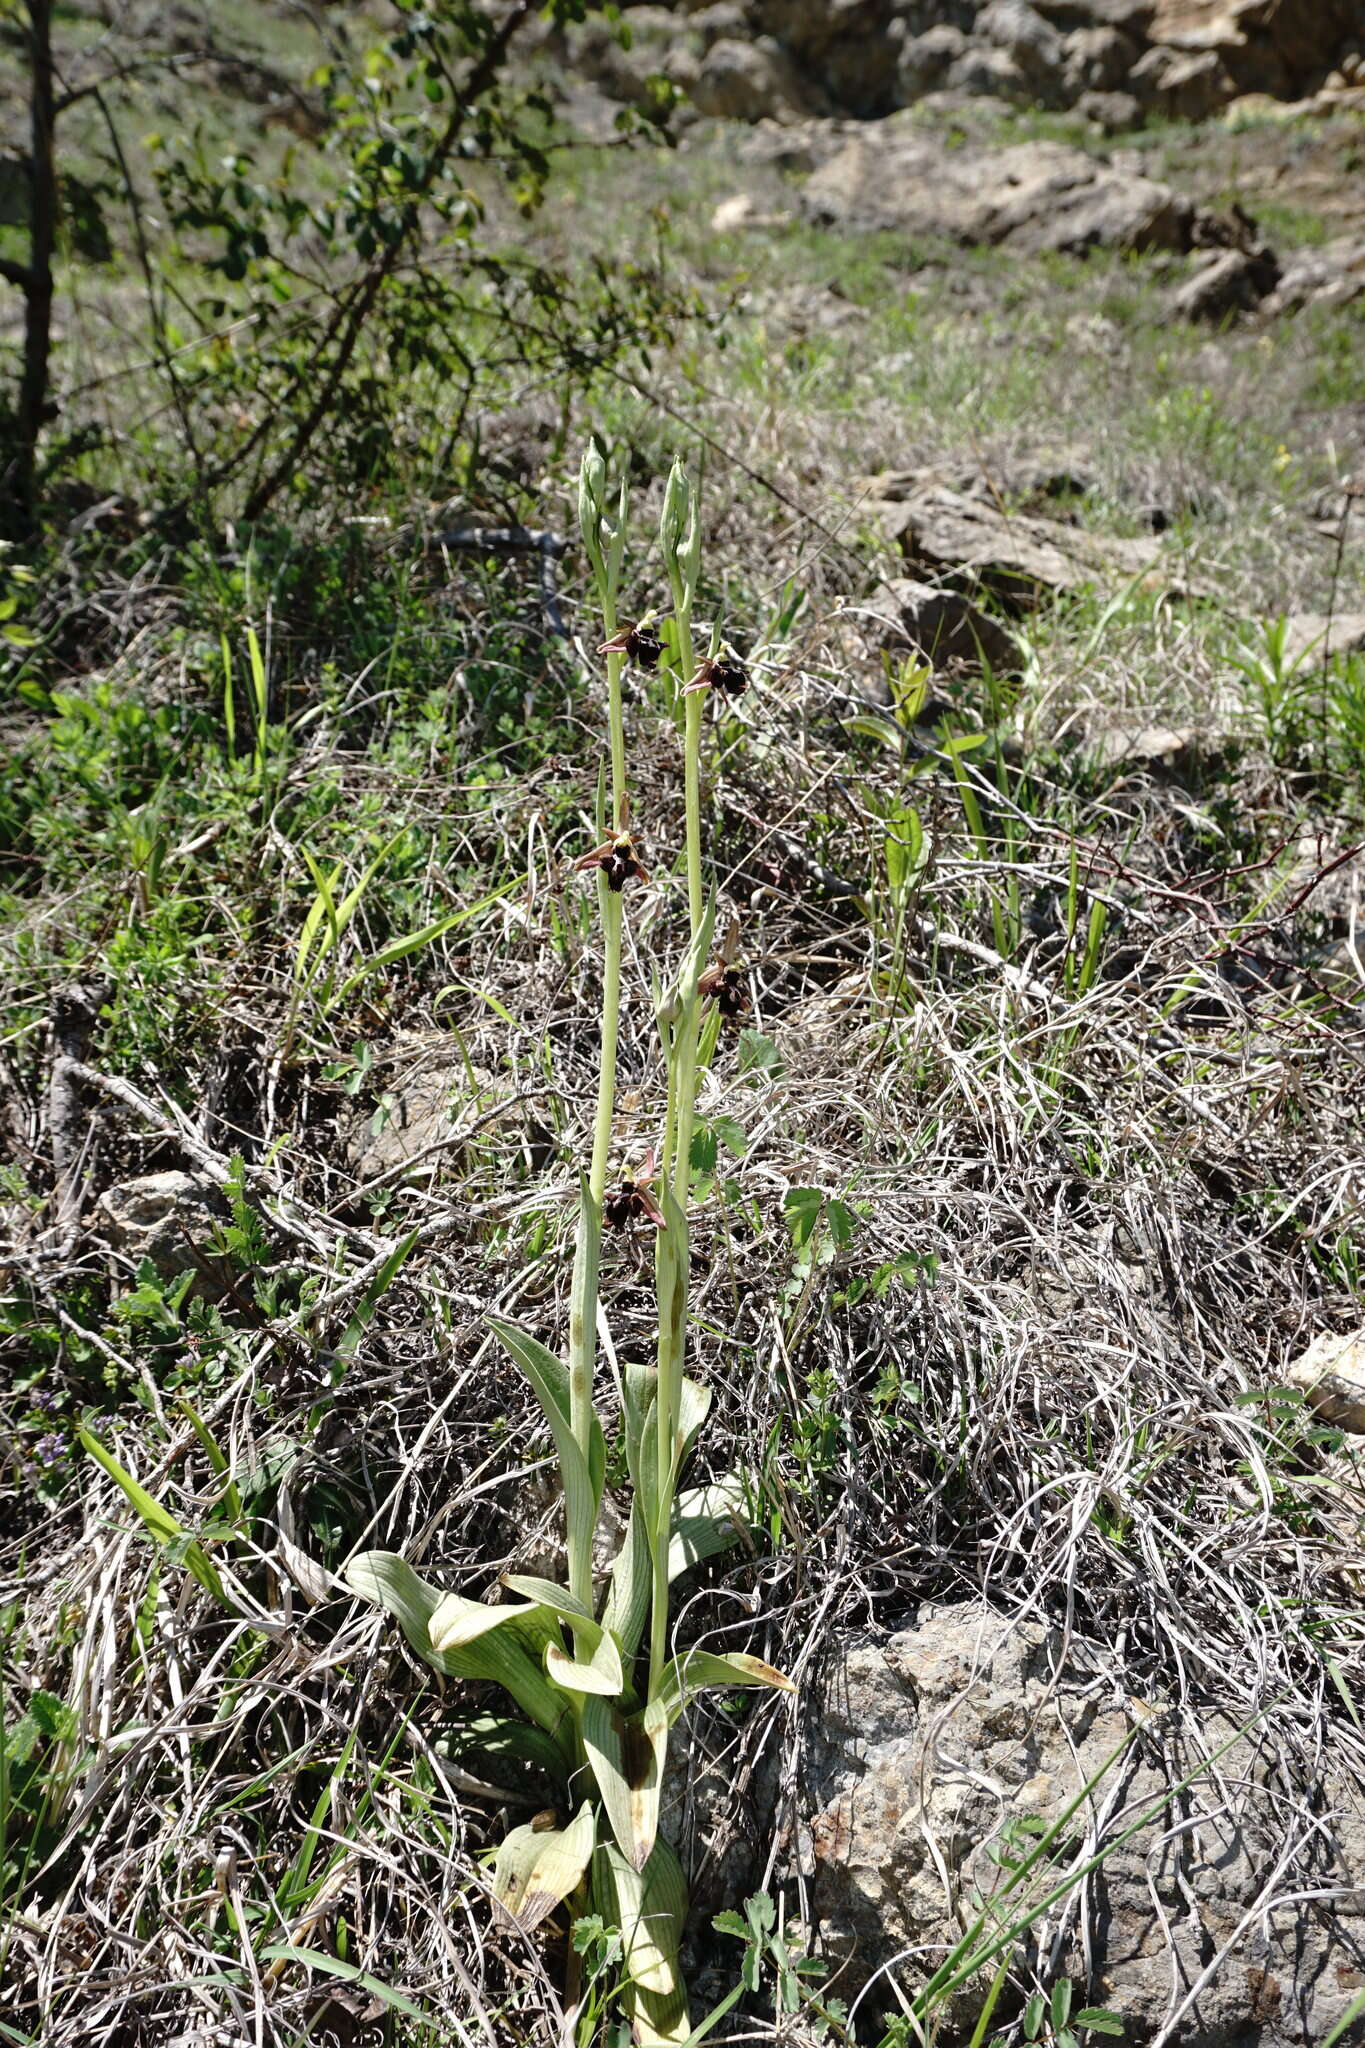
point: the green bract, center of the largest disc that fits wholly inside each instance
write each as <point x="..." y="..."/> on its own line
<point x="597" y="1676"/>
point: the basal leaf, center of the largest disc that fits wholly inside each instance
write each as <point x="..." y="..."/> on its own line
<point x="537" y="1867"/>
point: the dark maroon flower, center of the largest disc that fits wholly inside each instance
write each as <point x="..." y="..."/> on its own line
<point x="639" y="643"/>
<point x="633" y="1202"/>
<point x="618" y="858"/>
<point x="724" y="672"/>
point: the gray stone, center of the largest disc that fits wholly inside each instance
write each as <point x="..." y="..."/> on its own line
<point x="1186" y="85"/>
<point x="1332" y="1374"/>
<point x="1031" y="196"/>
<point x="1222" y="282"/>
<point x="949" y="533"/>
<point x="947" y="628"/>
<point x="1163" y="749"/>
<point x="925" y="60"/>
<point x="1033" y="44"/>
<point x="1311" y="638"/>
<point x="1333" y="274"/>
<point x="1117" y="113"/>
<point x="426" y="1096"/>
<point x="925" y="1749"/>
<point x="746" y="81"/>
<point x="170" y="1218"/>
<point x="1096" y="60"/>
<point x="990" y="73"/>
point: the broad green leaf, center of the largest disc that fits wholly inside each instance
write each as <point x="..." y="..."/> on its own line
<point x="705" y="1521"/>
<point x="457" y="1622"/>
<point x="551" y="1384"/>
<point x="602" y="1673"/>
<point x="559" y="1600"/>
<point x="632" y="1582"/>
<point x="650" y="1908"/>
<point x="501" y="1745"/>
<point x="536" y="1868"/>
<point x="158" y="1521"/>
<point x="596" y="1665"/>
<point x="627" y="1757"/>
<point x="702" y="1670"/>
<point x="507" y="1656"/>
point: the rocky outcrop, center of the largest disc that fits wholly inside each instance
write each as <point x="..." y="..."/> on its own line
<point x="1177" y="58"/>
<point x="1033" y="195"/>
<point x="938" y="1754"/>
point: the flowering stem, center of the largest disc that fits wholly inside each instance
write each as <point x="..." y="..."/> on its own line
<point x="681" y="1032"/>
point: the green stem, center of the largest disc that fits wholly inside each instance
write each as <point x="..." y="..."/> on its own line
<point x="583" y="1324"/>
<point x="672" y="1265"/>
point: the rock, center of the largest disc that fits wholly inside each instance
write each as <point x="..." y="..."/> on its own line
<point x="1183" y="85"/>
<point x="719" y="21"/>
<point x="410" y="1134"/>
<point x="947" y="628"/>
<point x="1117" y="113"/>
<point x="988" y="74"/>
<point x="1096" y="60"/>
<point x="1224" y="281"/>
<point x="1311" y="638"/>
<point x="1133" y="17"/>
<point x="746" y="81"/>
<point x="1333" y="274"/>
<point x="1166" y="749"/>
<point x="923" y="1750"/>
<point x="170" y="1218"/>
<point x="948" y="533"/>
<point x="1270" y="45"/>
<point x="1332" y="1374"/>
<point x="1030" y="196"/>
<point x="742" y="211"/>
<point x="1032" y="44"/>
<point x="925" y="61"/>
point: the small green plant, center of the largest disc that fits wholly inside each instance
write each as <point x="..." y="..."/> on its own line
<point x="599" y="1682"/>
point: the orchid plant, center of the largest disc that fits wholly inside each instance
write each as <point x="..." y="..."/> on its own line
<point x="598" y="1682"/>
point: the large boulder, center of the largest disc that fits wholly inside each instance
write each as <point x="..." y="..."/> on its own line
<point x="938" y="1755"/>
<point x="956" y="537"/>
<point x="1032" y="195"/>
<point x="748" y="81"/>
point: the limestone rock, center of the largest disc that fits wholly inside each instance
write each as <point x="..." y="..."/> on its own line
<point x="925" y="61"/>
<point x="1164" y="749"/>
<point x="170" y="1218"/>
<point x="1030" y="196"/>
<point x="947" y="628"/>
<point x="747" y="80"/>
<point x="1225" y="281"/>
<point x="1332" y="1374"/>
<point x="425" y="1096"/>
<point x="923" y="1749"/>
<point x="1333" y="274"/>
<point x="948" y="533"/>
<point x="1032" y="43"/>
<point x="1185" y="85"/>
<point x="1312" y="638"/>
<point x="1117" y="113"/>
<point x="1097" y="60"/>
